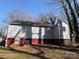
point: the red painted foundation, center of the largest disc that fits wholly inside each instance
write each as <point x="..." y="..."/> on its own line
<point x="22" y="41"/>
<point x="33" y="41"/>
<point x="36" y="41"/>
<point x="10" y="41"/>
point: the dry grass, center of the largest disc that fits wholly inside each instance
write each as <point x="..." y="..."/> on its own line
<point x="35" y="52"/>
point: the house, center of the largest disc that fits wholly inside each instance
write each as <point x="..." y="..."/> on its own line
<point x="2" y="41"/>
<point x="37" y="33"/>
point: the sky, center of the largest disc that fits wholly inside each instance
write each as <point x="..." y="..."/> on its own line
<point x="35" y="7"/>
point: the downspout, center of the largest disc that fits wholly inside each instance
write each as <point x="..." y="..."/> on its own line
<point x="58" y="30"/>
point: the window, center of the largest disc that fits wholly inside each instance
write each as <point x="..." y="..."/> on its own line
<point x="64" y="29"/>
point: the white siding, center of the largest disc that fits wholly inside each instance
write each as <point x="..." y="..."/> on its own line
<point x="66" y="32"/>
<point x="35" y="29"/>
<point x="42" y="32"/>
<point x="39" y="32"/>
<point x="12" y="30"/>
<point x="35" y="32"/>
<point x="20" y="35"/>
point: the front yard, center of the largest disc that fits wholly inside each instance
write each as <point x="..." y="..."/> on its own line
<point x="38" y="52"/>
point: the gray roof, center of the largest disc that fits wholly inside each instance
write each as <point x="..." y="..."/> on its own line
<point x="28" y="23"/>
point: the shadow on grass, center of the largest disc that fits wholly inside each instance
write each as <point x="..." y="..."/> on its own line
<point x="2" y="58"/>
<point x="39" y="55"/>
<point x="64" y="48"/>
<point x="38" y="49"/>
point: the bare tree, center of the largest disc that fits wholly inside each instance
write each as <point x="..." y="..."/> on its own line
<point x="76" y="5"/>
<point x="20" y="16"/>
<point x="69" y="21"/>
<point x="48" y="18"/>
<point x="70" y="15"/>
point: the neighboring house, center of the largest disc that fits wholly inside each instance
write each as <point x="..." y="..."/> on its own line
<point x="2" y="41"/>
<point x="37" y="33"/>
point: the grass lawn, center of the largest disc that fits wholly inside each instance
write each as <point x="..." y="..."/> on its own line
<point x="35" y="52"/>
